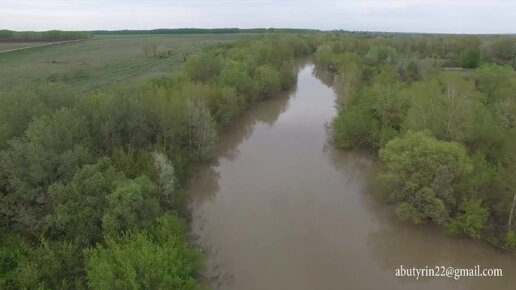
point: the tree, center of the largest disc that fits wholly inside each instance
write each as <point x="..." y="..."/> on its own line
<point x="469" y="58"/>
<point x="352" y="129"/>
<point x="52" y="150"/>
<point x="202" y="133"/>
<point x="379" y="55"/>
<point x="203" y="67"/>
<point x="268" y="82"/>
<point x="18" y="107"/>
<point x="492" y="80"/>
<point x="471" y="220"/>
<point x="51" y="265"/>
<point x="236" y="74"/>
<point x="501" y="51"/>
<point x="446" y="107"/>
<point x="421" y="172"/>
<point x="167" y="183"/>
<point x="350" y="75"/>
<point x="13" y="250"/>
<point x="79" y="205"/>
<point x="133" y="204"/>
<point x="324" y="57"/>
<point x="156" y="258"/>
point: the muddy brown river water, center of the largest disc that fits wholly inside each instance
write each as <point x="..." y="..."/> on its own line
<point x="282" y="210"/>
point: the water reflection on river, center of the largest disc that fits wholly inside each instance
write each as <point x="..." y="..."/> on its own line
<point x="280" y="210"/>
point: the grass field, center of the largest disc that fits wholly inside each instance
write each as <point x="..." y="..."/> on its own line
<point x="14" y="45"/>
<point x="100" y="61"/>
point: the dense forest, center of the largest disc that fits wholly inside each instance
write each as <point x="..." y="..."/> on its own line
<point x="92" y="186"/>
<point x="440" y="113"/>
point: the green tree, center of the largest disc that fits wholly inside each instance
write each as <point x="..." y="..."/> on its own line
<point x="168" y="183"/>
<point x="445" y="106"/>
<point x="268" y="81"/>
<point x="469" y="58"/>
<point x="325" y="58"/>
<point x="18" y="107"/>
<point x="350" y="76"/>
<point x="79" y="205"/>
<point x="51" y="265"/>
<point x="237" y="75"/>
<point x="133" y="204"/>
<point x="203" y="67"/>
<point x="379" y="55"/>
<point x="421" y="172"/>
<point x="470" y="221"/>
<point x="52" y="150"/>
<point x="493" y="80"/>
<point x="156" y="258"/>
<point x="202" y="133"/>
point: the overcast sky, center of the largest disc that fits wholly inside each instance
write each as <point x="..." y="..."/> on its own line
<point x="453" y="16"/>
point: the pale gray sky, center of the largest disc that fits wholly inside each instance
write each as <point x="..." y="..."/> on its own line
<point x="458" y="16"/>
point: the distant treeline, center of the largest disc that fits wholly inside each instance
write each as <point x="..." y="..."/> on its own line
<point x="51" y="35"/>
<point x="203" y="31"/>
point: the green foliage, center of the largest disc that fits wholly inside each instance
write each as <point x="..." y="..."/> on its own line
<point x="132" y="204"/>
<point x="470" y="221"/>
<point x="425" y="173"/>
<point x="352" y="129"/>
<point x="167" y="181"/>
<point x="201" y="130"/>
<point x="402" y="89"/>
<point x="493" y="80"/>
<point x="446" y="106"/>
<point x="156" y="258"/>
<point x="52" y="149"/>
<point x="237" y="75"/>
<point x="98" y="169"/>
<point x="379" y="55"/>
<point x="298" y="45"/>
<point x="422" y="206"/>
<point x="133" y="163"/>
<point x="80" y="204"/>
<point x="20" y="106"/>
<point x="501" y="50"/>
<point x="203" y="67"/>
<point x="51" y="265"/>
<point x="324" y="58"/>
<point x="373" y="116"/>
<point x="13" y="250"/>
<point x="268" y="82"/>
<point x="509" y="242"/>
<point x="469" y="58"/>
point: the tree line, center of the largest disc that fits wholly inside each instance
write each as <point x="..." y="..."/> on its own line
<point x="202" y="31"/>
<point x="445" y="138"/>
<point x="51" y="35"/>
<point x="92" y="186"/>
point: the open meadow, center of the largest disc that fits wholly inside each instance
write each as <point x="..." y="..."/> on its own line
<point x="101" y="60"/>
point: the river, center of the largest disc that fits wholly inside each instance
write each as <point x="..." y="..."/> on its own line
<point x="282" y="210"/>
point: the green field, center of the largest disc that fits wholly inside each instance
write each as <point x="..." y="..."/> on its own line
<point x="16" y="45"/>
<point x="100" y="61"/>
